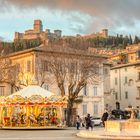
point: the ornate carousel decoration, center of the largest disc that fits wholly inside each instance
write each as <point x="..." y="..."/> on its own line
<point x="32" y="107"/>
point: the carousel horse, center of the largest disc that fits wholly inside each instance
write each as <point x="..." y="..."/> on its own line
<point x="41" y="118"/>
<point x="32" y="118"/>
<point x="15" y="120"/>
<point x="23" y="118"/>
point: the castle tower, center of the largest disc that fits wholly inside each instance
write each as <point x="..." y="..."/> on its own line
<point x="38" y="27"/>
<point x="105" y="33"/>
<point x="18" y="36"/>
<point x="58" y="33"/>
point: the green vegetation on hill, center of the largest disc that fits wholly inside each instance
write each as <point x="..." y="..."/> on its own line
<point x="19" y="45"/>
<point x="112" y="42"/>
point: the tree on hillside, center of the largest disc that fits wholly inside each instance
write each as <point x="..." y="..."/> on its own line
<point x="20" y="45"/>
<point x="130" y="40"/>
<point x="136" y="40"/>
<point x="72" y="71"/>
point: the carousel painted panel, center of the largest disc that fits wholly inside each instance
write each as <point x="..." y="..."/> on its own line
<point x="36" y="111"/>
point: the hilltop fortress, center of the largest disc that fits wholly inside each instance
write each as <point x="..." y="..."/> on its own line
<point x="37" y="32"/>
<point x="103" y="33"/>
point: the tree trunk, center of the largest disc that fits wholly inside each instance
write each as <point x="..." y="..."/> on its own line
<point x="69" y="113"/>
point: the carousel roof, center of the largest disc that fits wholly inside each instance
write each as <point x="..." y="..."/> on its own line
<point x="32" y="90"/>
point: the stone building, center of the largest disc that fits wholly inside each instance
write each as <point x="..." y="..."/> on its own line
<point x="97" y="98"/>
<point x="129" y="55"/>
<point x="125" y="84"/>
<point x="125" y="76"/>
<point x="103" y="33"/>
<point x="33" y="62"/>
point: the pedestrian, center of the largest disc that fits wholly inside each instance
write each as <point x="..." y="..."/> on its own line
<point x="104" y="117"/>
<point x="136" y="113"/>
<point x="83" y="122"/>
<point x="78" y="121"/>
<point x="88" y="122"/>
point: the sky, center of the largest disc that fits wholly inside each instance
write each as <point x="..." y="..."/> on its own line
<point x="71" y="16"/>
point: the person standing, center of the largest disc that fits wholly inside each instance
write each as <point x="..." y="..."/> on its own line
<point x="78" y="121"/>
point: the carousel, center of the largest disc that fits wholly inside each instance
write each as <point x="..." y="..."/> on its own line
<point x="32" y="108"/>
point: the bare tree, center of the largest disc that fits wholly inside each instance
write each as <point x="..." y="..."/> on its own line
<point x="13" y="75"/>
<point x="8" y="72"/>
<point x="72" y="72"/>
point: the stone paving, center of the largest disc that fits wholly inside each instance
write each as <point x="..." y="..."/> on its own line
<point x="102" y="134"/>
<point x="67" y="134"/>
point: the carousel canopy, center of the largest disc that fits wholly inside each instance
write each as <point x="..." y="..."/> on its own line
<point x="31" y="91"/>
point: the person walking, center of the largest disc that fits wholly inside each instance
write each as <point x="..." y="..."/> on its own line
<point x="88" y="122"/>
<point x="78" y="121"/>
<point x="104" y="117"/>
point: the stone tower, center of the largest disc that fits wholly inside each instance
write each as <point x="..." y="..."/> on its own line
<point x="105" y="33"/>
<point x="38" y="27"/>
<point x="58" y="33"/>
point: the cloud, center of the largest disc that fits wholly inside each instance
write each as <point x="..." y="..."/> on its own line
<point x="104" y="13"/>
<point x="101" y="8"/>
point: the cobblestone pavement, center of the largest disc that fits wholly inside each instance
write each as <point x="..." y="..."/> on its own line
<point x="67" y="134"/>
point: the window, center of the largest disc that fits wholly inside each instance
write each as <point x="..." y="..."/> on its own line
<point x="105" y="71"/>
<point x="130" y="82"/>
<point x="18" y="67"/>
<point x="116" y="95"/>
<point x="126" y="95"/>
<point x="132" y="57"/>
<point x="138" y="92"/>
<point x="95" y="108"/>
<point x="45" y="66"/>
<point x="116" y="81"/>
<point x="84" y="109"/>
<point x="94" y="91"/>
<point x="85" y="91"/>
<point x="2" y="90"/>
<point x="125" y="69"/>
<point x="73" y="67"/>
<point x="28" y="66"/>
<point x="125" y="80"/>
<point x="138" y="75"/>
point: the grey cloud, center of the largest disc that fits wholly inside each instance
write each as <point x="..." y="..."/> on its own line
<point x="108" y="13"/>
<point x="93" y="7"/>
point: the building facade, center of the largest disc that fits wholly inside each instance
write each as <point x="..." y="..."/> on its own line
<point x="33" y="62"/>
<point x="97" y="98"/>
<point x="129" y="55"/>
<point x="125" y="84"/>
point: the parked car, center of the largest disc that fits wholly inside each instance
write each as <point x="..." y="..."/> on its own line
<point x="119" y="114"/>
<point x="96" y="120"/>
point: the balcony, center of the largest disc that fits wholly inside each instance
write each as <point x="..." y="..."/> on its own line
<point x="106" y="93"/>
<point x="79" y="100"/>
